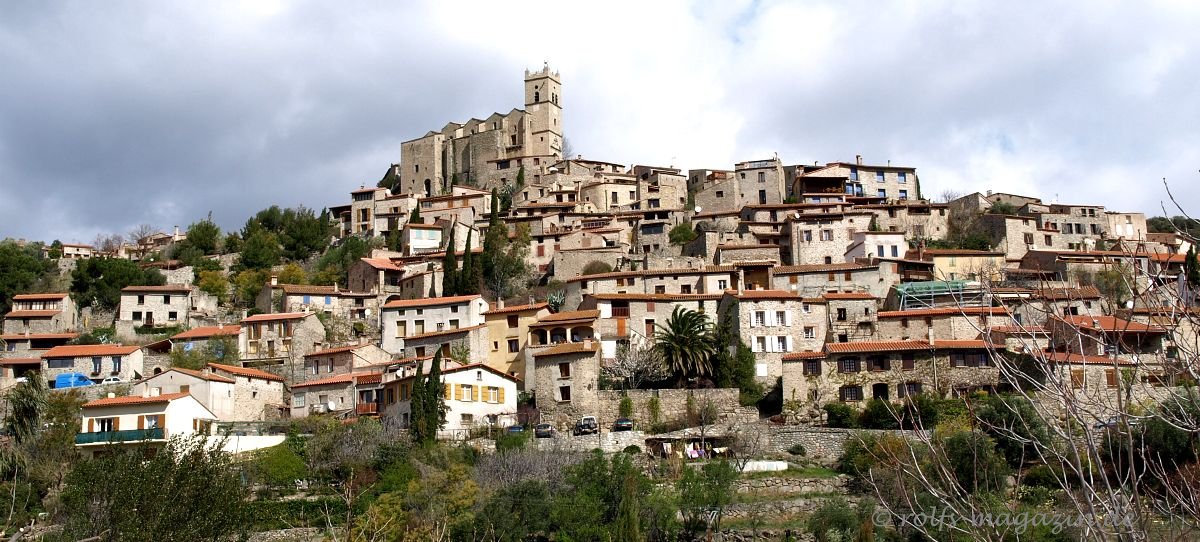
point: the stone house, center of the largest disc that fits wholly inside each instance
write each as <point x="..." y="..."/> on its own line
<point x="660" y="188"/>
<point x="137" y="421"/>
<point x="257" y="395"/>
<point x="362" y="209"/>
<point x="345" y="360"/>
<point x="199" y="337"/>
<point x="335" y="394"/>
<point x="1014" y="235"/>
<point x="41" y="314"/>
<point x="419" y="327"/>
<point x="633" y="318"/>
<point x="475" y="396"/>
<point x="1033" y="307"/>
<point x="96" y="361"/>
<point x="852" y="316"/>
<point x="916" y="219"/>
<point x="279" y="342"/>
<point x="821" y="238"/>
<point x="380" y="276"/>
<point x="963" y="264"/>
<point x="774" y="323"/>
<point x="936" y="324"/>
<point x="1129" y="226"/>
<point x="693" y="280"/>
<point x="567" y="381"/>
<point x="508" y="333"/>
<point x="732" y="254"/>
<point x="1080" y="226"/>
<point x="1097" y="335"/>
<point x="154" y="306"/>
<point x="355" y="307"/>
<point x="214" y="391"/>
<point x="879" y="183"/>
<point x="817" y="279"/>
<point x="869" y="245"/>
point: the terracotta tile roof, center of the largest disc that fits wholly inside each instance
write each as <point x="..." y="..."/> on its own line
<point x="430" y="301"/>
<point x="957" y="252"/>
<point x="800" y="356"/>
<point x="38" y="336"/>
<point x="875" y="346"/>
<point x="337" y="350"/>
<point x="276" y="316"/>
<point x="444" y="332"/>
<point x="81" y="350"/>
<point x="245" y="371"/>
<point x="205" y="332"/>
<point x="1080" y="359"/>
<point x="332" y="380"/>
<point x="373" y="378"/>
<point x="32" y="314"/>
<point x="1110" y="324"/>
<point x="1019" y="330"/>
<point x="658" y="272"/>
<point x="656" y="297"/>
<point x="38" y="297"/>
<point x="134" y="400"/>
<point x="1163" y="257"/>
<point x="568" y="348"/>
<point x="1059" y="294"/>
<point x="302" y="289"/>
<point x="960" y="344"/>
<point x="848" y="295"/>
<point x="382" y="263"/>
<point x="746" y="247"/>
<point x="822" y="268"/>
<point x="763" y="294"/>
<point x="20" y="361"/>
<point x="517" y="308"/>
<point x="213" y="377"/>
<point x="180" y="288"/>
<point x="482" y="366"/>
<point x="948" y="311"/>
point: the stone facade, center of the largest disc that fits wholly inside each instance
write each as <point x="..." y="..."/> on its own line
<point x="508" y="333"/>
<point x="40" y="314"/>
<point x="153" y="306"/>
<point x="773" y="323"/>
<point x="279" y="342"/>
<point x="567" y="381"/>
<point x="1080" y="226"/>
<point x="915" y="219"/>
<point x="672" y="405"/>
<point x="96" y="362"/>
<point x="418" y="327"/>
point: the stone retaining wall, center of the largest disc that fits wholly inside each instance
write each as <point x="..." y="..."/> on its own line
<point x="608" y="441"/>
<point x="672" y="404"/>
<point x="792" y="486"/>
<point x="819" y="442"/>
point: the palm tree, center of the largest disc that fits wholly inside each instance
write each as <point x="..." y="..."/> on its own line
<point x="686" y="344"/>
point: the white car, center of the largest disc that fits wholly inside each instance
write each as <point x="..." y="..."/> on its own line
<point x="111" y="380"/>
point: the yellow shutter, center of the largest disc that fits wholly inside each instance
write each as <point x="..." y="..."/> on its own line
<point x="475" y="393"/>
<point x="500" y="395"/>
<point x="91" y="425"/>
<point x="117" y="423"/>
<point x="449" y="391"/>
<point x="141" y="422"/>
<point x="162" y="421"/>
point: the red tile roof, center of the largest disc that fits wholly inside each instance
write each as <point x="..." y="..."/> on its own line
<point x="20" y="361"/>
<point x="656" y="297"/>
<point x="337" y="350"/>
<point x="164" y="288"/>
<point x="382" y="263"/>
<point x="276" y="316"/>
<point x="941" y="344"/>
<point x="302" y="289"/>
<point x="430" y="301"/>
<point x="799" y="356"/>
<point x="517" y="308"/>
<point x="849" y="296"/>
<point x="134" y="400"/>
<point x="822" y="268"/>
<point x="1059" y="294"/>
<point x="329" y="381"/>
<point x="875" y="346"/>
<point x="245" y="371"/>
<point x="956" y="252"/>
<point x="38" y="336"/>
<point x="1110" y="324"/>
<point x="1080" y="359"/>
<point x="568" y="348"/>
<point x="38" y="297"/>
<point x="32" y="314"/>
<point x="948" y="311"/>
<point x="213" y="377"/>
<point x="444" y="332"/>
<point x="81" y="350"/>
<point x="208" y="331"/>
<point x="657" y="272"/>
<point x="763" y="294"/>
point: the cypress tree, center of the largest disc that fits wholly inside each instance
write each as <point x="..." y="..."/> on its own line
<point x="417" y="401"/>
<point x="450" y="267"/>
<point x="1191" y="267"/>
<point x="435" y="401"/>
<point x="415" y="217"/>
<point x="468" y="281"/>
<point x="494" y="241"/>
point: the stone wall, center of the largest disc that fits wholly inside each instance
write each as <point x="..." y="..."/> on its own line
<point x="672" y="404"/>
<point x="822" y="443"/>
<point x="784" y="485"/>
<point x="607" y="441"/>
<point x="184" y="275"/>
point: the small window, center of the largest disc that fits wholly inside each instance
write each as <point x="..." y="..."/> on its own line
<point x="850" y="393"/>
<point x="564" y="394"/>
<point x="514" y="346"/>
<point x="564" y="370"/>
<point x="812" y="367"/>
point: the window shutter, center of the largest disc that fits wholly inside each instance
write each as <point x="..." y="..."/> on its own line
<point x="752" y="317"/>
<point x="787" y="315"/>
<point x="195" y="424"/>
<point x="770" y="318"/>
<point x="770" y="344"/>
<point x="91" y="425"/>
<point x="141" y="422"/>
<point x="754" y="345"/>
<point x="789" y="340"/>
<point x="1111" y="375"/>
<point x="162" y="421"/>
<point x="117" y="423"/>
<point x="449" y="392"/>
<point x="475" y="393"/>
<point x="500" y="395"/>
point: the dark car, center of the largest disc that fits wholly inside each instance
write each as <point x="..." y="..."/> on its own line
<point x="515" y="429"/>
<point x="623" y="424"/>
<point x="543" y="430"/>
<point x="586" y="426"/>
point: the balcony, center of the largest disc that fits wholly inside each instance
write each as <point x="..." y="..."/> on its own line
<point x="130" y="435"/>
<point x="366" y="409"/>
<point x="620" y="312"/>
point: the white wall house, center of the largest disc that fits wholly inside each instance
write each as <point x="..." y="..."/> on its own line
<point x="140" y="421"/>
<point x="213" y="391"/>
<point x="417" y="327"/>
<point x="476" y="395"/>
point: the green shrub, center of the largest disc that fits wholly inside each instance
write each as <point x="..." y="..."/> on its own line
<point x="976" y="463"/>
<point x="279" y="466"/>
<point x="840" y="415"/>
<point x="797" y="449"/>
<point x="626" y="407"/>
<point x="879" y="415"/>
<point x="596" y="267"/>
<point x="834" y="520"/>
<point x="511" y="441"/>
<point x="632" y="449"/>
<point x="1041" y="476"/>
<point x="654" y="409"/>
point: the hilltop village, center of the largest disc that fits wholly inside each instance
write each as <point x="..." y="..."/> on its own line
<point x="574" y="296"/>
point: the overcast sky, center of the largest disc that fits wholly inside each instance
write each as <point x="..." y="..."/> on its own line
<point x="114" y="114"/>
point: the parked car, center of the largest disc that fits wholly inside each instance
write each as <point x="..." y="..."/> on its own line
<point x="1113" y="423"/>
<point x="515" y="429"/>
<point x="586" y="425"/>
<point x="623" y="424"/>
<point x="543" y="430"/>
<point x="111" y="380"/>
<point x="72" y="380"/>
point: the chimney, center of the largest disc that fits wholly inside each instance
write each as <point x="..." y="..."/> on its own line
<point x="112" y="395"/>
<point x="176" y="231"/>
<point x="858" y="159"/>
<point x="921" y="250"/>
<point x="889" y="162"/>
<point x="335" y="287"/>
<point x="220" y="326"/>
<point x="931" y="339"/>
<point x="587" y="343"/>
<point x="499" y="303"/>
<point x="274" y="279"/>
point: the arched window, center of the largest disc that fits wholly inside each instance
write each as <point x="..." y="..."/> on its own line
<point x="536" y="96"/>
<point x="428" y="188"/>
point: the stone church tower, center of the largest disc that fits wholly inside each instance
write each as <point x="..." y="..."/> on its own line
<point x="491" y="151"/>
